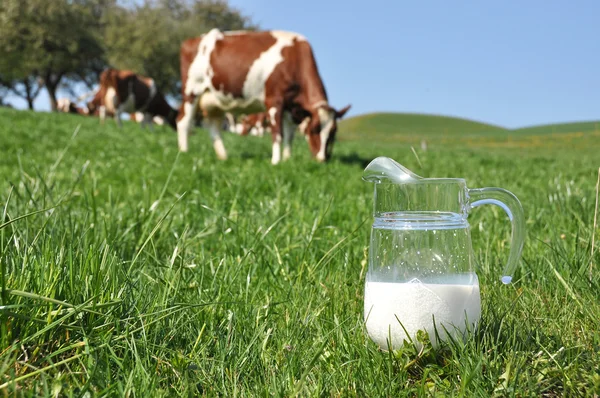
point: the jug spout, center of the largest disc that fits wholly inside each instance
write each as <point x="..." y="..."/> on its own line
<point x="400" y="191"/>
<point x="383" y="169"/>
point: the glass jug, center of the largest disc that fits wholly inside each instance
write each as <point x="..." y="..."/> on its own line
<point x="421" y="263"/>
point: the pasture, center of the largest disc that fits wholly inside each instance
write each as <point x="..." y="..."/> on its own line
<point x="143" y="271"/>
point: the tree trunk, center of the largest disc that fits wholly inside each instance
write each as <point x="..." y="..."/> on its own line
<point x="51" y="83"/>
<point x="28" y="93"/>
<point x="52" y="94"/>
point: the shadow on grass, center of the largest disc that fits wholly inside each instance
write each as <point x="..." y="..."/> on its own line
<point x="353" y="159"/>
<point x="253" y="155"/>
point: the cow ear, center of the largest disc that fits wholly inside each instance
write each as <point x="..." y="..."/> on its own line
<point x="339" y="114"/>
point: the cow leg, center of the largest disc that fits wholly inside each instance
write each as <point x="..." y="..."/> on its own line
<point x="215" y="134"/>
<point x="118" y="117"/>
<point x="148" y="121"/>
<point x="288" y="135"/>
<point x="102" y="113"/>
<point x="185" y="121"/>
<point x="231" y="125"/>
<point x="276" y="119"/>
<point x="118" y="109"/>
<point x="276" y="149"/>
<point x="258" y="129"/>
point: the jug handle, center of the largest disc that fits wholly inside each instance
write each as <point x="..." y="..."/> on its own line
<point x="511" y="205"/>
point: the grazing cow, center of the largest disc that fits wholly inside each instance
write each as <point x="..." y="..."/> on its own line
<point x="99" y="109"/>
<point x="124" y="91"/>
<point x="249" y="72"/>
<point x="67" y="106"/>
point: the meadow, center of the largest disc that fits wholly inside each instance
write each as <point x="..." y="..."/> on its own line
<point x="127" y="268"/>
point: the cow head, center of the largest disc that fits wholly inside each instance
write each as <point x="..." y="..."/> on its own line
<point x="94" y="104"/>
<point x="320" y="130"/>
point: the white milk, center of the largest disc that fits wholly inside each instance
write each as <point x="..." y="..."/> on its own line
<point x="414" y="303"/>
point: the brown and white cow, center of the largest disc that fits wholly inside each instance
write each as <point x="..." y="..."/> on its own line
<point x="246" y="72"/>
<point x="124" y="91"/>
<point x="256" y="124"/>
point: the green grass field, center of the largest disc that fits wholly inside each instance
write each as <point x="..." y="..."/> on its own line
<point x="450" y="131"/>
<point x="128" y="269"/>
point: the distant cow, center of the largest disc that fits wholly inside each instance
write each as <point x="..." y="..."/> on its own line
<point x="67" y="106"/>
<point x="124" y="91"/>
<point x="249" y="72"/>
<point x="256" y="124"/>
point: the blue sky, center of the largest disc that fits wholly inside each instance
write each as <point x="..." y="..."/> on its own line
<point x="511" y="63"/>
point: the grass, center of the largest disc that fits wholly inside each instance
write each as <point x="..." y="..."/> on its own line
<point x="138" y="271"/>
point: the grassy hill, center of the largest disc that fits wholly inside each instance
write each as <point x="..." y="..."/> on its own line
<point x="412" y="129"/>
<point x="382" y="125"/>
<point x="385" y="124"/>
<point x="561" y="128"/>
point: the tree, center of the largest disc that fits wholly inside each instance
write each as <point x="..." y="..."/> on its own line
<point x="145" y="38"/>
<point x="26" y="87"/>
<point x="3" y="94"/>
<point x="15" y="68"/>
<point x="48" y="41"/>
<point x="54" y="43"/>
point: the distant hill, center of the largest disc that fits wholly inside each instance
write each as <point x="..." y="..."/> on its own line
<point x="386" y="125"/>
<point x="399" y="127"/>
<point x="574" y="127"/>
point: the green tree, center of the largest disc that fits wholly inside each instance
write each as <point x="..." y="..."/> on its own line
<point x="24" y="86"/>
<point x="146" y="37"/>
<point x="3" y="94"/>
<point x="50" y="42"/>
<point x="16" y="65"/>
